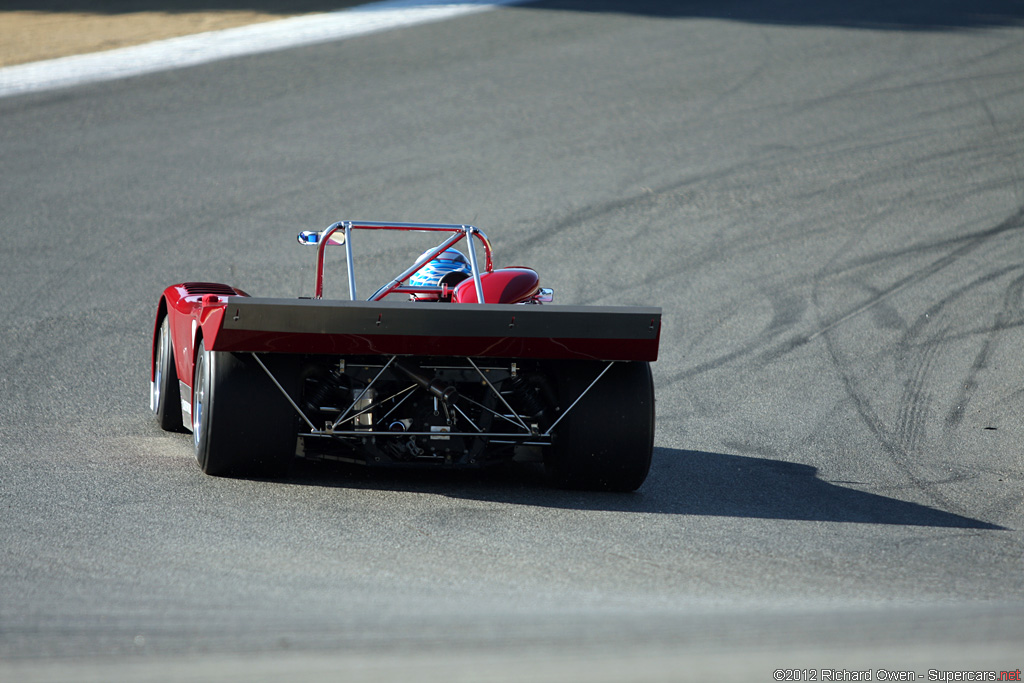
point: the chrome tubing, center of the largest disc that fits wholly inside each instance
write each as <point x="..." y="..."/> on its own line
<point x="470" y="231"/>
<point x="281" y="389"/>
<point x="567" y="410"/>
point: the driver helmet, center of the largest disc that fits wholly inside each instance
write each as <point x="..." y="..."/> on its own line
<point x="448" y="261"/>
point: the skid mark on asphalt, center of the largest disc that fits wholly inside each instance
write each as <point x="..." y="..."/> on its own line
<point x="771" y="349"/>
<point x="914" y="404"/>
<point x="1009" y="317"/>
<point x="900" y="443"/>
<point x="968" y="244"/>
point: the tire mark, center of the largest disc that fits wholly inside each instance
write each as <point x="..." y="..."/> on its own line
<point x="912" y="417"/>
<point x="968" y="243"/>
<point x="1009" y="317"/>
<point x="894" y="446"/>
<point x="901" y="443"/>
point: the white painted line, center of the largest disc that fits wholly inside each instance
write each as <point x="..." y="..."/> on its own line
<point x="201" y="48"/>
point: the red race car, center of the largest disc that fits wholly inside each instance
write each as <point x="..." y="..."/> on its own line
<point x="468" y="371"/>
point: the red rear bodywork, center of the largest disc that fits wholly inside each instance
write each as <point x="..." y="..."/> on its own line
<point x="237" y="322"/>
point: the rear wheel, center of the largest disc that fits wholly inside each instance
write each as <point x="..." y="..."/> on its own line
<point x="241" y="424"/>
<point x="164" y="395"/>
<point x="606" y="440"/>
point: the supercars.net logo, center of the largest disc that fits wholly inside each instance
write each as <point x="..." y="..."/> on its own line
<point x="892" y="675"/>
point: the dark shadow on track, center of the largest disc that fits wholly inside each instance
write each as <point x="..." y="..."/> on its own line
<point x="868" y="14"/>
<point x="680" y="483"/>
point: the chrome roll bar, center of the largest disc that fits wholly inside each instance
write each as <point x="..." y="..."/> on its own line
<point x="327" y="237"/>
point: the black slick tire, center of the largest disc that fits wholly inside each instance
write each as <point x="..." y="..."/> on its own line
<point x="606" y="440"/>
<point x="242" y="425"/>
<point x="165" y="396"/>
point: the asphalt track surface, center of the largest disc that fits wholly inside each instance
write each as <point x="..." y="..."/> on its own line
<point x="826" y="199"/>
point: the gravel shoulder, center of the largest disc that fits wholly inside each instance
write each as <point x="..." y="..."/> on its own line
<point x="54" y="28"/>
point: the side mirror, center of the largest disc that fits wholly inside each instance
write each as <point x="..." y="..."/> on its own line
<point x="312" y="238"/>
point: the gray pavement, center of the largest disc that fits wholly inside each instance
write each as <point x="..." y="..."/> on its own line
<point x="827" y="202"/>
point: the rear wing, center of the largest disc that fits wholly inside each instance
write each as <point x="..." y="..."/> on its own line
<point x="316" y="326"/>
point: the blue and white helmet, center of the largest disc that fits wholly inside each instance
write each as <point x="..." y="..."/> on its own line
<point x="448" y="261"/>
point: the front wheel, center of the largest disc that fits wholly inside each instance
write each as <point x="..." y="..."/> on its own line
<point x="164" y="395"/>
<point x="241" y="423"/>
<point x="605" y="442"/>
